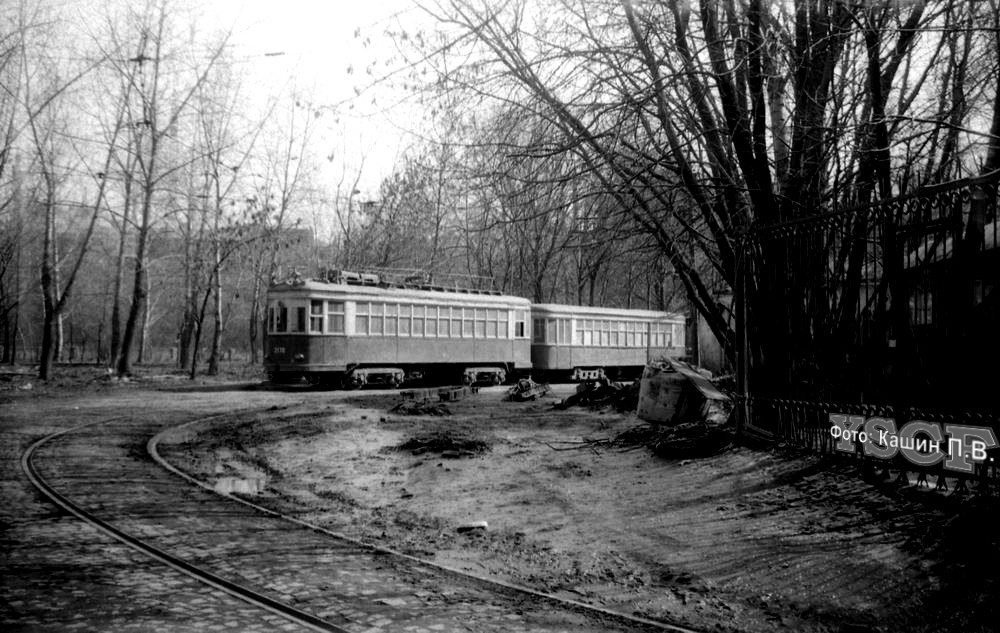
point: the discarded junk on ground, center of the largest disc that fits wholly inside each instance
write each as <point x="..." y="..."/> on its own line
<point x="527" y="389"/>
<point x="602" y="392"/>
<point x="672" y="392"/>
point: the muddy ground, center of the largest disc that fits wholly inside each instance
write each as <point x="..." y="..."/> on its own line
<point x="747" y="539"/>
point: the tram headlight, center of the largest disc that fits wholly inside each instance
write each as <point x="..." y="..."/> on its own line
<point x="299" y="358"/>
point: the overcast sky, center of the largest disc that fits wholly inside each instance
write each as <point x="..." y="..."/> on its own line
<point x="319" y="41"/>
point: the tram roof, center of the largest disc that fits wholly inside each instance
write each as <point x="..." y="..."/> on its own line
<point x="326" y="289"/>
<point x="558" y="309"/>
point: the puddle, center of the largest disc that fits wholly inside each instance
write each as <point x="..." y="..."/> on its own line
<point x="240" y="485"/>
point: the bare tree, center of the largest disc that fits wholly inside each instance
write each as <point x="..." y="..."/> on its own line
<point x="162" y="101"/>
<point x="702" y="118"/>
<point x="284" y="173"/>
<point x="47" y="128"/>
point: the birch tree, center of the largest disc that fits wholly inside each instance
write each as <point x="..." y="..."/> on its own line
<point x="164" y="91"/>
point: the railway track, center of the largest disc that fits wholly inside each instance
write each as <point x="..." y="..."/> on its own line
<point x="109" y="475"/>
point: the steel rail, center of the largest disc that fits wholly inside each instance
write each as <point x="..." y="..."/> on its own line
<point x="151" y="448"/>
<point x="207" y="577"/>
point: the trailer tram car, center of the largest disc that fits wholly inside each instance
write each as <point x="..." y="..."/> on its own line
<point x="586" y="343"/>
<point x="353" y="330"/>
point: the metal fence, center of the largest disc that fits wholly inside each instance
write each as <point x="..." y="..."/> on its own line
<point x="889" y="310"/>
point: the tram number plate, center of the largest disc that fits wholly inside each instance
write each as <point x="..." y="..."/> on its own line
<point x="277" y="349"/>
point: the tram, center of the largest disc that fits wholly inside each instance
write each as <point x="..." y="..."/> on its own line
<point x="357" y="329"/>
<point x="587" y="343"/>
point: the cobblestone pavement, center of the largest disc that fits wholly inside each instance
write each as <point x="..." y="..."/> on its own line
<point x="59" y="574"/>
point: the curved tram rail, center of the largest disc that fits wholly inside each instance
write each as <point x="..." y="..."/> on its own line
<point x="497" y="598"/>
<point x="214" y="580"/>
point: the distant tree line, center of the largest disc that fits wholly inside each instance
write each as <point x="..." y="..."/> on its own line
<point x="148" y="197"/>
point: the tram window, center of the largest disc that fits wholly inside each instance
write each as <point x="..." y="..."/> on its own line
<point x="678" y="335"/>
<point x="270" y="319"/>
<point x="430" y="323"/>
<point x="503" y="323"/>
<point x="281" y="320"/>
<point x="491" y="324"/>
<point x="613" y="342"/>
<point x="377" y="312"/>
<point x="443" y="320"/>
<point x="480" y="331"/>
<point x="335" y="317"/>
<point x="665" y="335"/>
<point x="456" y="322"/>
<point x="467" y="322"/>
<point x="519" y="322"/>
<point x="390" y="319"/>
<point x="300" y="319"/>
<point x="361" y="318"/>
<point x="316" y="316"/>
<point x="630" y="334"/>
<point x="404" y="319"/>
<point x="418" y="320"/>
<point x="562" y="327"/>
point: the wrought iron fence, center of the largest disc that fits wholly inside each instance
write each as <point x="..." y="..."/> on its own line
<point x="889" y="310"/>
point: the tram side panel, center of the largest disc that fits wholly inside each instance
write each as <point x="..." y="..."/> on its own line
<point x="319" y="331"/>
<point x="441" y="350"/>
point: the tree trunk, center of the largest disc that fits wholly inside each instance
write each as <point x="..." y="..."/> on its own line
<point x="254" y="320"/>
<point x="138" y="296"/>
<point x="992" y="162"/>
<point x="141" y="356"/>
<point x="59" y="342"/>
<point x="48" y="291"/>
<point x="116" y="305"/>
<point x="213" y="359"/>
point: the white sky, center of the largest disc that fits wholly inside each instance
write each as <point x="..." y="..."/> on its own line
<point x="319" y="43"/>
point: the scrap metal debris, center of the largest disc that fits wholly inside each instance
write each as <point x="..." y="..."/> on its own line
<point x="444" y="394"/>
<point x="527" y="389"/>
<point x="602" y="392"/>
<point x="421" y="407"/>
<point x="672" y="392"/>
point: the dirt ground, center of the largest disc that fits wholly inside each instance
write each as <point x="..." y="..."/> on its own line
<point x="747" y="539"/>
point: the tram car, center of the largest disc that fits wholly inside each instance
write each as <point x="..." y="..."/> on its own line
<point x="588" y="343"/>
<point x="355" y="329"/>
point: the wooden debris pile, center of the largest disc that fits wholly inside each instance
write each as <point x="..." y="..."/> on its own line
<point x="689" y="439"/>
<point x="445" y="443"/>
